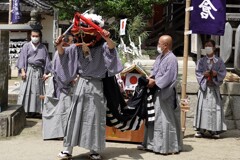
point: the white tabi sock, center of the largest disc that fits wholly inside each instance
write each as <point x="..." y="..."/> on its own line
<point x="68" y="150"/>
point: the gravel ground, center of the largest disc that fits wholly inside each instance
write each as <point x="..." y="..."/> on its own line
<point x="28" y="145"/>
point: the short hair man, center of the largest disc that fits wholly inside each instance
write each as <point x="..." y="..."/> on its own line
<point x="164" y="136"/>
<point x="33" y="64"/>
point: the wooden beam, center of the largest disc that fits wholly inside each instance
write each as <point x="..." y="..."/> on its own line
<point x="10" y="12"/>
<point x="16" y="27"/>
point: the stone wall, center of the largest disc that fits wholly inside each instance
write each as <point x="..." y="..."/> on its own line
<point x="4" y="66"/>
<point x="230" y="99"/>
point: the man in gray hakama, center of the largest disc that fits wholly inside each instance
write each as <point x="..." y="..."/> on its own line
<point x="58" y="96"/>
<point x="33" y="64"/>
<point x="164" y="136"/>
<point x="87" y="120"/>
<point x="209" y="114"/>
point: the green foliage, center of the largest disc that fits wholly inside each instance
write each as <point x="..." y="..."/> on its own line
<point x="107" y="8"/>
<point x="151" y="53"/>
<point x="136" y="28"/>
<point x="137" y="12"/>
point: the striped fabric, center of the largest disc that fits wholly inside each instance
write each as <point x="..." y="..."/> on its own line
<point x="136" y="121"/>
<point x="132" y="124"/>
<point x="131" y="114"/>
<point x="150" y="107"/>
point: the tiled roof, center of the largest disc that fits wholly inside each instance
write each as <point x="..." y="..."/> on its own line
<point x="29" y="5"/>
<point x="38" y="3"/>
<point x="132" y="68"/>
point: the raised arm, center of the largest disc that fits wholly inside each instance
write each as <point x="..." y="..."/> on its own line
<point x="106" y="36"/>
<point x="59" y="45"/>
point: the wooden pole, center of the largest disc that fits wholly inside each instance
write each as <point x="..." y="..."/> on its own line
<point x="10" y="12"/>
<point x="185" y="65"/>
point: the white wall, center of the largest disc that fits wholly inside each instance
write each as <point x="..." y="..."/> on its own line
<point x="47" y="32"/>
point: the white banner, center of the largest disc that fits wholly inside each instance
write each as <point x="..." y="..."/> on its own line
<point x="123" y="26"/>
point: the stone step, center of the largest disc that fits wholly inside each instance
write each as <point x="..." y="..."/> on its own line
<point x="12" y="121"/>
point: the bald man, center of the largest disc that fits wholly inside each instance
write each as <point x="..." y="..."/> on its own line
<point x="164" y="136"/>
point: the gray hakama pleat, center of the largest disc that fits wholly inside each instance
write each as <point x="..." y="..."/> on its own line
<point x="55" y="113"/>
<point x="31" y="89"/>
<point x="165" y="135"/>
<point x="209" y="114"/>
<point x="87" y="119"/>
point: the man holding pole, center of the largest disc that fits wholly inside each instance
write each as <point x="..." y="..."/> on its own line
<point x="97" y="60"/>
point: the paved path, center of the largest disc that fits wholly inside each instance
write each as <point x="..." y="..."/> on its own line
<point x="28" y="145"/>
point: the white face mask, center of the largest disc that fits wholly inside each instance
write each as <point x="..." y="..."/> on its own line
<point x="209" y="50"/>
<point x="159" y="50"/>
<point x="35" y="39"/>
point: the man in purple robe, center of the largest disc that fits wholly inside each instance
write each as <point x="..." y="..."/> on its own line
<point x="33" y="65"/>
<point x="98" y="59"/>
<point x="58" y="95"/>
<point x="164" y="135"/>
<point x="209" y="115"/>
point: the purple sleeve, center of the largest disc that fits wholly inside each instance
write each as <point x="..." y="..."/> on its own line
<point x="155" y="66"/>
<point x="22" y="59"/>
<point x="169" y="76"/>
<point x="112" y="61"/>
<point x="47" y="67"/>
<point x="221" y="72"/>
<point x="153" y="71"/>
<point x="65" y="66"/>
<point x="202" y="81"/>
<point x="73" y="62"/>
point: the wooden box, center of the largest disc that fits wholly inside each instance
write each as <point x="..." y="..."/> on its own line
<point x="129" y="78"/>
<point x="114" y="134"/>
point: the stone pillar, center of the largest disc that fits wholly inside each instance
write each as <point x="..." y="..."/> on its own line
<point x="35" y="21"/>
<point x="4" y="66"/>
<point x="12" y="118"/>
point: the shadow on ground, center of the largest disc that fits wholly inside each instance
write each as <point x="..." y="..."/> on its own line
<point x="30" y="127"/>
<point x="115" y="153"/>
<point x="227" y="134"/>
<point x="30" y="123"/>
